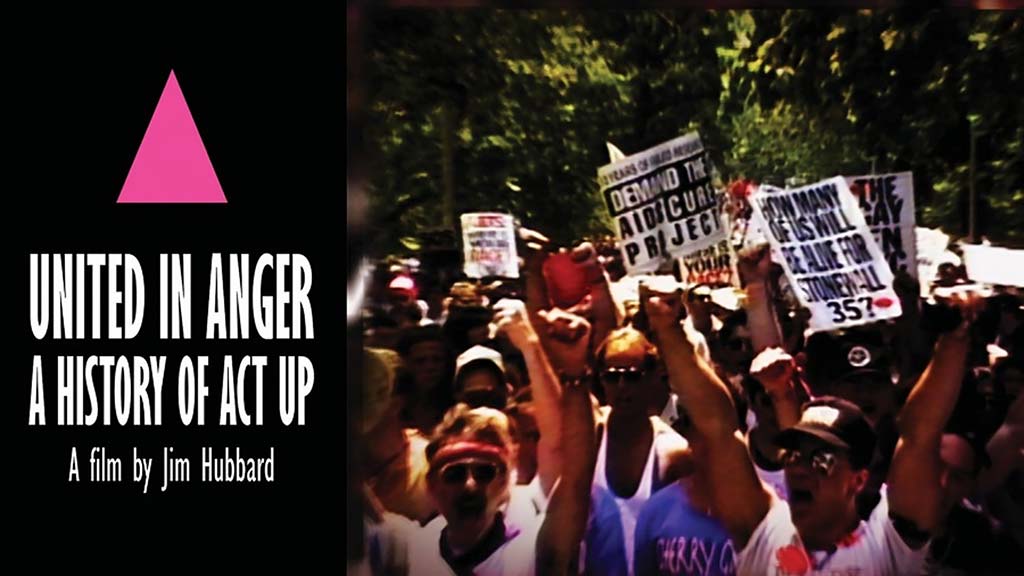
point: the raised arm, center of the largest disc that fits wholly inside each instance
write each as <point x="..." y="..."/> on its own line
<point x="512" y="319"/>
<point x="605" y="312"/>
<point x="776" y="371"/>
<point x="914" y="491"/>
<point x="755" y="268"/>
<point x="739" y="498"/>
<point x="533" y="266"/>
<point x="569" y="507"/>
<point x="912" y="344"/>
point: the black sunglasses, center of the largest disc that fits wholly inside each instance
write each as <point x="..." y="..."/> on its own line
<point x="483" y="472"/>
<point x="630" y="375"/>
<point x="823" y="460"/>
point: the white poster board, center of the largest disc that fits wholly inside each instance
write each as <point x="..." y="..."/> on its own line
<point x="830" y="257"/>
<point x="663" y="203"/>
<point x="489" y="245"/>
<point x="992" y="265"/>
<point x="887" y="201"/>
<point x="714" y="265"/>
<point x="931" y="248"/>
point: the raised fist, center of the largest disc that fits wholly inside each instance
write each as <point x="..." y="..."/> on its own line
<point x="773" y="368"/>
<point x="569" y="340"/>
<point x="511" y="318"/>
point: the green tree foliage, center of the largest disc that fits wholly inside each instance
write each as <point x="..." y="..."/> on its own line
<point x="897" y="89"/>
<point x="532" y="96"/>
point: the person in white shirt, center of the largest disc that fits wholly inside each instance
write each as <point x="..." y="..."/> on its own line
<point x="471" y="462"/>
<point x="470" y="471"/>
<point x="828" y="452"/>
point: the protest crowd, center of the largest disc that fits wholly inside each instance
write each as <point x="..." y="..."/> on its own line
<point x="745" y="380"/>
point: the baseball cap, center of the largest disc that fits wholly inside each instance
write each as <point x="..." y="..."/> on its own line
<point x="837" y="422"/>
<point x="478" y="354"/>
<point x="847" y="356"/>
<point x="481" y="357"/>
<point x="403" y="284"/>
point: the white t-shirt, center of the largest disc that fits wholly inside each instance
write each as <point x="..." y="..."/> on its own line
<point x="697" y="339"/>
<point x="385" y="546"/>
<point x="516" y="557"/>
<point x="775" y="480"/>
<point x="874" y="549"/>
<point x="527" y="504"/>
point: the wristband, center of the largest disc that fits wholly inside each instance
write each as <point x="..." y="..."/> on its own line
<point x="575" y="381"/>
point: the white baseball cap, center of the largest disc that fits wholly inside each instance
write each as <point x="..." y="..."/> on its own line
<point x="477" y="353"/>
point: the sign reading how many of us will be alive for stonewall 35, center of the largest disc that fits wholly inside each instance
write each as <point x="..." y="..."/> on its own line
<point x="829" y="255"/>
<point x="663" y="203"/>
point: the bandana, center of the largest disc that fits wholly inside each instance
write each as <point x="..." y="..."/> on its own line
<point x="469" y="449"/>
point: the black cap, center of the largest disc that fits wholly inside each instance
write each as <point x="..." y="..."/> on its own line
<point x="837" y="422"/>
<point x="853" y="356"/>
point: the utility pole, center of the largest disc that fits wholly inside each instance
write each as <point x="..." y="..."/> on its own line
<point x="972" y="202"/>
<point x="447" y="166"/>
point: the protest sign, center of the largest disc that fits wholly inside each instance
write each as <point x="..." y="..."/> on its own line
<point x="830" y="257"/>
<point x="991" y="265"/>
<point x="931" y="248"/>
<point x="489" y="245"/>
<point x="887" y="201"/>
<point x="714" y="265"/>
<point x="663" y="203"/>
<point x="614" y="154"/>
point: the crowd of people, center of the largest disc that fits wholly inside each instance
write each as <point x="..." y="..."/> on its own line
<point x="624" y="427"/>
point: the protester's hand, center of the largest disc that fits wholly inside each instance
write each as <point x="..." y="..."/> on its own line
<point x="970" y="305"/>
<point x="534" y="255"/>
<point x="585" y="255"/>
<point x="662" y="308"/>
<point x="568" y="340"/>
<point x="584" y="308"/>
<point x="969" y="301"/>
<point x="909" y="292"/>
<point x="511" y="318"/>
<point x="755" y="264"/>
<point x="536" y="250"/>
<point x="774" y="369"/>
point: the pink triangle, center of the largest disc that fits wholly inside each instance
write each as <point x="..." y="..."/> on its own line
<point x="172" y="165"/>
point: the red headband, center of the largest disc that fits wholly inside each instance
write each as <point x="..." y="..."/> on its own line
<point x="470" y="449"/>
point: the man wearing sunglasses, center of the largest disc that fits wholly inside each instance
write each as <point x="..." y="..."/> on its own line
<point x="638" y="453"/>
<point x="828" y="452"/>
<point x="471" y="459"/>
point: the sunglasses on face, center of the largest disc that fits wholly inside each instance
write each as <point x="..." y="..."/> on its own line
<point x="823" y="460"/>
<point x="483" y="473"/>
<point x="630" y="375"/>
